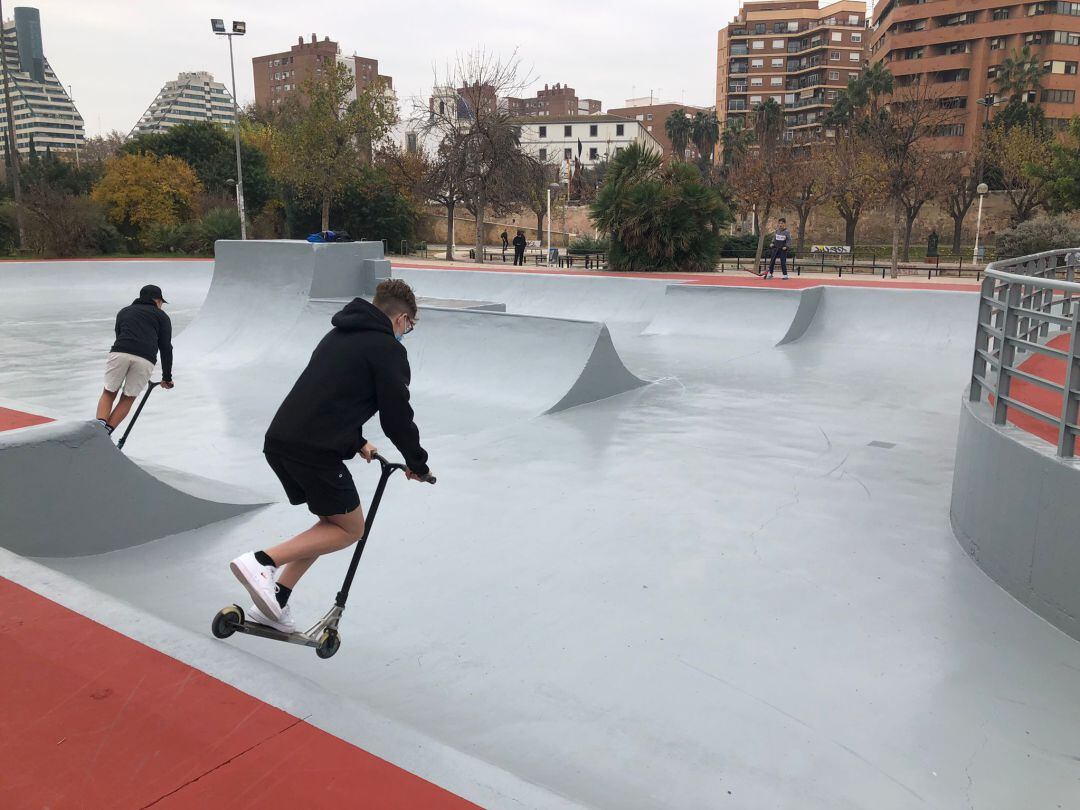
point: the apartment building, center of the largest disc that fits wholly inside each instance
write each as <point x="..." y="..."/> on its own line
<point x="553" y="100"/>
<point x="653" y="115"/>
<point x="959" y="47"/>
<point x="194" y="96"/>
<point x="591" y="139"/>
<point x="44" y="113"/>
<point x="279" y="76"/>
<point x="793" y="51"/>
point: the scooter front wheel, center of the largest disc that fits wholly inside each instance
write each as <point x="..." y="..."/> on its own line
<point x="227" y="621"/>
<point x="329" y="643"/>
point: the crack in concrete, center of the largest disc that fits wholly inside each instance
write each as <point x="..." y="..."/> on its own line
<point x="221" y="765"/>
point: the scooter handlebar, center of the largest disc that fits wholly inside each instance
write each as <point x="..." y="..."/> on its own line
<point x="390" y="465"/>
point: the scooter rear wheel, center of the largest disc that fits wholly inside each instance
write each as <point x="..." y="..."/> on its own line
<point x="226" y="621"/>
<point x="329" y="643"/>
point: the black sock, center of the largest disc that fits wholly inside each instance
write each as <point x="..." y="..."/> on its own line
<point x="283" y="594"/>
<point x="262" y="558"/>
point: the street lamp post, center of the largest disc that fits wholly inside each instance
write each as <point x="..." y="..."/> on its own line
<point x="239" y="28"/>
<point x="552" y="187"/>
<point x="981" y="189"/>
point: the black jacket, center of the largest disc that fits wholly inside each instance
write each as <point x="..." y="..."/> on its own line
<point x="143" y="330"/>
<point x="357" y="369"/>
<point x="520" y="242"/>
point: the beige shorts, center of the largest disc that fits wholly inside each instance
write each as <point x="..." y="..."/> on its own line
<point x="129" y="371"/>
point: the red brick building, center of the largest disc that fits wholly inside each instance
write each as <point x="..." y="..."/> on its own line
<point x="282" y="75"/>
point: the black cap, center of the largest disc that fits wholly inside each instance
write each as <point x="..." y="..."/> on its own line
<point x="153" y="292"/>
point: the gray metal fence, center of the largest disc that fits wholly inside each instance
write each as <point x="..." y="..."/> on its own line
<point x="1025" y="304"/>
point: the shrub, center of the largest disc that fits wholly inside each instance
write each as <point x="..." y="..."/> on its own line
<point x="180" y="238"/>
<point x="588" y="244"/>
<point x="1037" y="235"/>
<point x="217" y="223"/>
<point x="739" y="244"/>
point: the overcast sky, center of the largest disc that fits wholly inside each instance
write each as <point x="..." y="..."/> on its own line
<point x="116" y="54"/>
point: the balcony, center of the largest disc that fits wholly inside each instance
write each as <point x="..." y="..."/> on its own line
<point x="737" y="88"/>
<point x="812" y="101"/>
<point x="737" y="105"/>
<point x="740" y="50"/>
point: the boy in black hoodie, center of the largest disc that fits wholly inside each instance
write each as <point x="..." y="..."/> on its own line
<point x="360" y="367"/>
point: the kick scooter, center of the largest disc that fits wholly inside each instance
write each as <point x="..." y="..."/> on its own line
<point x="135" y="417"/>
<point x="323" y="635"/>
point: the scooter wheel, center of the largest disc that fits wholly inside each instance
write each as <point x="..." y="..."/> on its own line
<point x="226" y="621"/>
<point x="329" y="642"/>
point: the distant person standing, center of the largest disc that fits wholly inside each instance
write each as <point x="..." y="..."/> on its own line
<point x="142" y="330"/>
<point x="781" y="243"/>
<point x="505" y="244"/>
<point x="519" y="249"/>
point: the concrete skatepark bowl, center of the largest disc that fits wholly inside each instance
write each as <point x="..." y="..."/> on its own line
<point x="690" y="546"/>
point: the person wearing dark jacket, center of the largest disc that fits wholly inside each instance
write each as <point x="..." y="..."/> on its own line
<point x="358" y="368"/>
<point x="781" y="244"/>
<point x="505" y="244"/>
<point x="519" y="248"/>
<point x="142" y="330"/>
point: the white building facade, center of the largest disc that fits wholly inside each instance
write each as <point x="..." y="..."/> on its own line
<point x="45" y="115"/>
<point x="591" y="139"/>
<point x="193" y="97"/>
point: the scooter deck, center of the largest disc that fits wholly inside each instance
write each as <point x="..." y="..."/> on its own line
<point x="263" y="631"/>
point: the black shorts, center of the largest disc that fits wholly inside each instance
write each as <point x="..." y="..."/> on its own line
<point x="326" y="490"/>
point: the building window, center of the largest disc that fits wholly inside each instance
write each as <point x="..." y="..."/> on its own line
<point x="1001" y="14"/>
<point x="853" y="19"/>
<point x="778" y="44"/>
<point x="837" y="36"/>
<point x="853" y="56"/>
<point x="594" y="153"/>
<point x="778" y="62"/>
<point x="834" y="75"/>
<point x="567" y="153"/>
<point x="1059" y="96"/>
<point x="757" y="44"/>
<point x="950" y="131"/>
<point x="543" y="155"/>
<point x="1059" y="67"/>
<point x="592" y="130"/>
<point x="567" y="131"/>
<point x="776" y="81"/>
<point x="619" y="129"/>
<point x="649" y="117"/>
<point x="755" y="81"/>
<point x="618" y="150"/>
<point x="543" y="130"/>
<point x="759" y="28"/>
<point x="755" y="99"/>
<point x="1066" y="38"/>
<point x="793" y="26"/>
<point x="997" y="43"/>
<point x="834" y="56"/>
<point x="757" y="63"/>
<point x="856" y="37"/>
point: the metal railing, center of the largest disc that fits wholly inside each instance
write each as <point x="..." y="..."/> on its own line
<point x="1025" y="304"/>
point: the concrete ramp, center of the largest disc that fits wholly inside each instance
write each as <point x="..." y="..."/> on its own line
<point x="260" y="289"/>
<point x="590" y="298"/>
<point x="66" y="491"/>
<point x="744" y="314"/>
<point x="862" y="315"/>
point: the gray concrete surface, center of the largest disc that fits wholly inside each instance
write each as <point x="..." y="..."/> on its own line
<point x="66" y="491"/>
<point x="737" y="586"/>
<point x="1016" y="509"/>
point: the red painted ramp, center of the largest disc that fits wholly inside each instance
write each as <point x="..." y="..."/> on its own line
<point x="91" y="718"/>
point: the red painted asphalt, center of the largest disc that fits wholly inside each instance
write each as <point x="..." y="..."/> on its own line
<point x="10" y="420"/>
<point x="91" y="719"/>
<point x="733" y="278"/>
<point x="1049" y="402"/>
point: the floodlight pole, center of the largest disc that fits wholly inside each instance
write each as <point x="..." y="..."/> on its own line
<point x="236" y="130"/>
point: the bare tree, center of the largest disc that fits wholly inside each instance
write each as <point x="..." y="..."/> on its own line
<point x="484" y="163"/>
<point x="960" y="178"/>
<point x="1023" y="157"/>
<point x="853" y="176"/>
<point x="926" y="183"/>
<point x="809" y="189"/>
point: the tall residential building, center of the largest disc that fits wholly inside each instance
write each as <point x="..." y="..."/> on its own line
<point x="279" y="76"/>
<point x="653" y="115"/>
<point x="794" y="52"/>
<point x="959" y="46"/>
<point x="556" y="99"/>
<point x="43" y="110"/>
<point x="192" y="97"/>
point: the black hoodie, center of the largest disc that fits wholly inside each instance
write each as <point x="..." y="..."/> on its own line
<point x="357" y="369"/>
<point x="143" y="329"/>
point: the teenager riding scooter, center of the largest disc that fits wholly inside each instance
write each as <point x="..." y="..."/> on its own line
<point x="358" y="368"/>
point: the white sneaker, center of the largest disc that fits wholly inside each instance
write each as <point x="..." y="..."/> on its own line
<point x="285" y="624"/>
<point x="259" y="581"/>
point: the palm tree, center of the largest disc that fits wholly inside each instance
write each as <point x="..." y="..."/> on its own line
<point x="705" y="133"/>
<point x="734" y="141"/>
<point x="768" y="121"/>
<point x="1020" y="72"/>
<point x="677" y="127"/>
